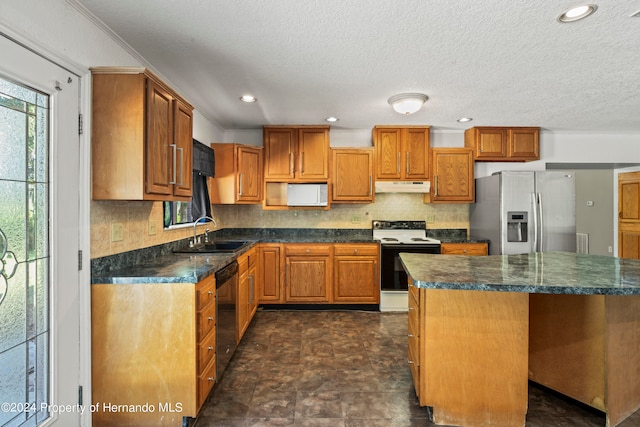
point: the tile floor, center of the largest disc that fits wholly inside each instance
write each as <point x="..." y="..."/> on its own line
<point x="341" y="369"/>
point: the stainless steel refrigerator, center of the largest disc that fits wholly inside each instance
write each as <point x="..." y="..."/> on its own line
<point x="525" y="211"/>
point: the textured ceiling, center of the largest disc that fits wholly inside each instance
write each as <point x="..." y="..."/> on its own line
<point x="502" y="62"/>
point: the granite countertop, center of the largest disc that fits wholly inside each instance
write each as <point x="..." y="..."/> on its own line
<point x="541" y="272"/>
<point x="160" y="264"/>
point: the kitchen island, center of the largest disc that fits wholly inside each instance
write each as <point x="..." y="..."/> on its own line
<point x="481" y="327"/>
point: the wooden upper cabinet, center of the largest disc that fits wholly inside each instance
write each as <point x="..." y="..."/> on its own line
<point x="141" y="141"/>
<point x="402" y="153"/>
<point x="239" y="174"/>
<point x="296" y="153"/>
<point x="453" y="179"/>
<point x="352" y="175"/>
<point x="503" y="144"/>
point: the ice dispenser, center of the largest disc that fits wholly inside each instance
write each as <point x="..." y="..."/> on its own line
<point x="517" y="226"/>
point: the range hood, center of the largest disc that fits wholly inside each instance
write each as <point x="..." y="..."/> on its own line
<point x="403" y="186"/>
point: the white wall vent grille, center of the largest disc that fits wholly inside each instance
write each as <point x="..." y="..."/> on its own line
<point x="582" y="243"/>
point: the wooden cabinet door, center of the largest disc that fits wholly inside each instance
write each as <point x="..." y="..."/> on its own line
<point x="416" y="153"/>
<point x="307" y="272"/>
<point x="279" y="146"/>
<point x="491" y="142"/>
<point x="524" y="144"/>
<point x="253" y="276"/>
<point x="474" y="249"/>
<point x="159" y="152"/>
<point x="629" y="215"/>
<point x="249" y="175"/>
<point x="352" y="175"/>
<point x="313" y="154"/>
<point x="183" y="139"/>
<point x="242" y="299"/>
<point x="269" y="286"/>
<point x="388" y="147"/>
<point x="453" y="180"/>
<point x="356" y="274"/>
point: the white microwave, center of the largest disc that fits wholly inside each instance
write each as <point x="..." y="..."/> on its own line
<point x="307" y="195"/>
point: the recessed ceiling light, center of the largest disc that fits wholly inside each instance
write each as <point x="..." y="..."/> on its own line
<point x="248" y="98"/>
<point x="577" y="12"/>
<point x="465" y="119"/>
<point x="331" y="119"/>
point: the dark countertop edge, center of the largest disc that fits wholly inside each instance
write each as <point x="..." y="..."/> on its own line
<point x="530" y="289"/>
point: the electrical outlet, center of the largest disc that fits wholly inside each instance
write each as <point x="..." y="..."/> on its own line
<point x="117" y="232"/>
<point x="430" y="219"/>
<point x="152" y="228"/>
<point x="355" y="219"/>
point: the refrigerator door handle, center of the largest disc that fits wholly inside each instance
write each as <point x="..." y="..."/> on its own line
<point x="534" y="201"/>
<point x="541" y="217"/>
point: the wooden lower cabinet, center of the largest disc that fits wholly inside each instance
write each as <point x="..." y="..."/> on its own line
<point x="246" y="302"/>
<point x="334" y="273"/>
<point x="457" y="341"/>
<point x="307" y="273"/>
<point x="270" y="273"/>
<point x="141" y="355"/>
<point x="356" y="273"/>
<point x="473" y="249"/>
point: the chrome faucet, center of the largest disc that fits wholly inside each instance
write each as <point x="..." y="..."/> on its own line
<point x="195" y="224"/>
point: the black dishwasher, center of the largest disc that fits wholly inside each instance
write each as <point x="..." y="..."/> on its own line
<point x="226" y="279"/>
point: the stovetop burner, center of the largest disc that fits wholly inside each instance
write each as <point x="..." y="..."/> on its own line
<point x="402" y="232"/>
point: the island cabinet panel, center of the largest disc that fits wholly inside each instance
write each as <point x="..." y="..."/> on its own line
<point x="307" y="273"/>
<point x="586" y="347"/>
<point x="141" y="137"/>
<point x="141" y="355"/>
<point x="356" y="276"/>
<point x="462" y="361"/>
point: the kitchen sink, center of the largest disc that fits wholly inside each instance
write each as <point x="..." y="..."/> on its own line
<point x="214" y="247"/>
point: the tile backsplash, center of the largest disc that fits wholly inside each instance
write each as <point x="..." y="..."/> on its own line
<point x="142" y="221"/>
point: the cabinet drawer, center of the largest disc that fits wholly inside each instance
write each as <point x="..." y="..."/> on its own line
<point x="205" y="292"/>
<point x="206" y="321"/>
<point x="302" y="249"/>
<point x="206" y="350"/>
<point x="206" y="381"/>
<point x="362" y="249"/>
<point x="464" y="249"/>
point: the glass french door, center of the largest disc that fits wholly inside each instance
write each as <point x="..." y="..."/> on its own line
<point x="39" y="240"/>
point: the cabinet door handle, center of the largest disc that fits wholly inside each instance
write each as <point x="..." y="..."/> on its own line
<point x="370" y="184"/>
<point x="407" y="168"/>
<point x="398" y="163"/>
<point x="251" y="289"/>
<point x="291" y="162"/>
<point x="210" y="319"/>
<point x="210" y="293"/>
<point x="436" y="192"/>
<point x="302" y="163"/>
<point x="210" y="348"/>
<point x="174" y="149"/>
<point x="181" y="166"/>
<point x="240" y="185"/>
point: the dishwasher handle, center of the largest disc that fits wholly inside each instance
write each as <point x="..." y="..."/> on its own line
<point x="226" y="273"/>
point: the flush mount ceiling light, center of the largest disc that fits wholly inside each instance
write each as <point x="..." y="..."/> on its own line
<point x="577" y="12"/>
<point x="465" y="119"/>
<point x="248" y="98"/>
<point x="407" y="103"/>
<point x="331" y="119"/>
